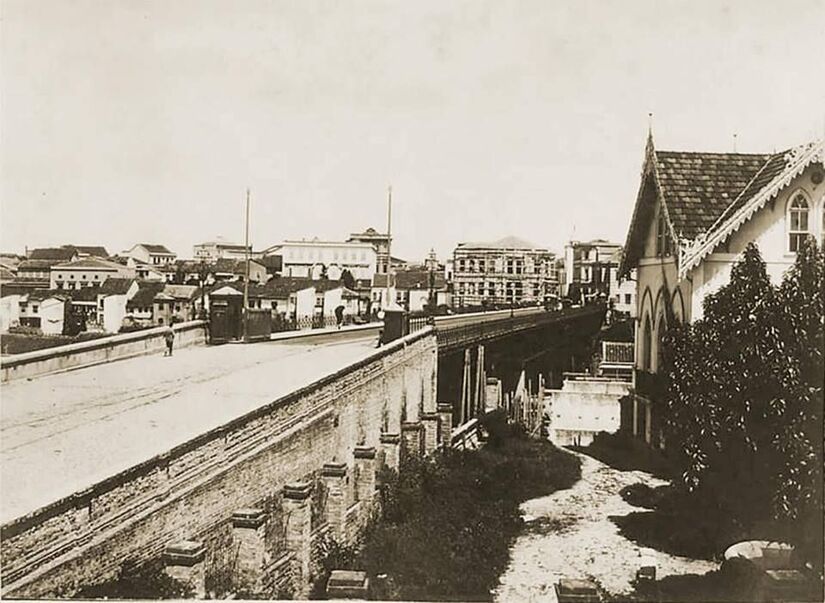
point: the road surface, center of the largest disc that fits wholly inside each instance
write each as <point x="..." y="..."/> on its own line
<point x="62" y="433"/>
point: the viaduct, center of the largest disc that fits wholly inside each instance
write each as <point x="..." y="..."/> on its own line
<point x="252" y="502"/>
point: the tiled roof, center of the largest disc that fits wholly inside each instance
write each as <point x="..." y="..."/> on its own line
<point x="36" y="265"/>
<point x="411" y="279"/>
<point x="509" y="242"/>
<point x="699" y="187"/>
<point x="116" y="286"/>
<point x="180" y="291"/>
<point x="52" y="253"/>
<point x="146" y="294"/>
<point x="232" y="266"/>
<point x="6" y="274"/>
<point x="84" y="294"/>
<point x="94" y="250"/>
<point x="152" y="248"/>
<point x="90" y="264"/>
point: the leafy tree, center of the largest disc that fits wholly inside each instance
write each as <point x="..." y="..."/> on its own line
<point x="745" y="394"/>
<point x="348" y="279"/>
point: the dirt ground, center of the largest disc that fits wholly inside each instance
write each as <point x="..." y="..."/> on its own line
<point x="569" y="534"/>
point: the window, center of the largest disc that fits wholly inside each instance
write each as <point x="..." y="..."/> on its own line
<point x="663" y="246"/>
<point x="34" y="308"/>
<point x="797" y="222"/>
<point x="627" y="298"/>
<point x="646" y="344"/>
<point x="586" y="274"/>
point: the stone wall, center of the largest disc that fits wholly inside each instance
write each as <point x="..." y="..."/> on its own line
<point x="200" y="503"/>
<point x="98" y="351"/>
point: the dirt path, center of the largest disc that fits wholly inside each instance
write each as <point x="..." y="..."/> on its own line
<point x="569" y="534"/>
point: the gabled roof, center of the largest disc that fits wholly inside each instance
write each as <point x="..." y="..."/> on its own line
<point x="146" y="294"/>
<point x="94" y="250"/>
<point x="84" y="294"/>
<point x="411" y="279"/>
<point x="116" y="286"/>
<point x="232" y="266"/>
<point x="89" y="264"/>
<point x="156" y="249"/>
<point x="186" y="292"/>
<point x="52" y="253"/>
<point x="698" y="187"/>
<point x="706" y="195"/>
<point x="6" y="274"/>
<point x="36" y="265"/>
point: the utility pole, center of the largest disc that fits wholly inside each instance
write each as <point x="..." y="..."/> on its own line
<point x="389" y="243"/>
<point x="246" y="276"/>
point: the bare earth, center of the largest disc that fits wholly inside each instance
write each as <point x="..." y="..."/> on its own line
<point x="569" y="534"/>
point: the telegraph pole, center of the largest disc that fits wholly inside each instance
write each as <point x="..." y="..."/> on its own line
<point x="389" y="242"/>
<point x="246" y="275"/>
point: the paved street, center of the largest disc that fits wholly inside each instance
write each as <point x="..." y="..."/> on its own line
<point x="569" y="534"/>
<point x="65" y="432"/>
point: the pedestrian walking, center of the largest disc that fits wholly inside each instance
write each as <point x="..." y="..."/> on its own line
<point x="339" y="316"/>
<point x="169" y="337"/>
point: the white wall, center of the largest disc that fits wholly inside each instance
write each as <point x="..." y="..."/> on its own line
<point x="305" y="302"/>
<point x="9" y="312"/>
<point x="114" y="311"/>
<point x="332" y="299"/>
<point x="581" y="409"/>
<point x="51" y="316"/>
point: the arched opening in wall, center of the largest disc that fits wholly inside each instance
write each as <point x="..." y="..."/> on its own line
<point x="661" y="332"/>
<point x="797" y="221"/>
<point x="678" y="305"/>
<point x="646" y="345"/>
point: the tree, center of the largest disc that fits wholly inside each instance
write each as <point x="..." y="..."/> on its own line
<point x="745" y="394"/>
<point x="348" y="279"/>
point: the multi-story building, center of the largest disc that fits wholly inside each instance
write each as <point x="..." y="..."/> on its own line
<point x="220" y="249"/>
<point x="148" y="253"/>
<point x="88" y="272"/>
<point x="589" y="268"/>
<point x="381" y="243"/>
<point x="325" y="259"/>
<point x="695" y="213"/>
<point x="502" y="272"/>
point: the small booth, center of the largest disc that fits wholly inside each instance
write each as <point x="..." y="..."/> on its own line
<point x="396" y="324"/>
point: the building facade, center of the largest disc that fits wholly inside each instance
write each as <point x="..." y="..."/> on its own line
<point x="590" y="267"/>
<point x="506" y="271"/>
<point x="379" y="241"/>
<point x="211" y="251"/>
<point x="150" y="253"/>
<point x="325" y="259"/>
<point x="695" y="213"/>
<point x="87" y="272"/>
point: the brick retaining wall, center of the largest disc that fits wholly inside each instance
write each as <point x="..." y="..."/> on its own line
<point x="190" y="492"/>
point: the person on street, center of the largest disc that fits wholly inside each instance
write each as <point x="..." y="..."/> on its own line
<point x="169" y="337"/>
<point x="339" y="316"/>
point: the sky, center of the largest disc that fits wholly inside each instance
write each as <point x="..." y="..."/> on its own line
<point x="146" y="121"/>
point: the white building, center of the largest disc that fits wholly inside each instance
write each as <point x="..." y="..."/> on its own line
<point x="583" y="407"/>
<point x="211" y="251"/>
<point x="316" y="258"/>
<point x="695" y="213"/>
<point x="86" y="272"/>
<point x="150" y="253"/>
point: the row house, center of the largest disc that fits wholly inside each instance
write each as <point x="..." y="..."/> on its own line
<point x="318" y="259"/>
<point x="590" y="267"/>
<point x="86" y="272"/>
<point x="506" y="271"/>
<point x="695" y="213"/>
<point x="411" y="289"/>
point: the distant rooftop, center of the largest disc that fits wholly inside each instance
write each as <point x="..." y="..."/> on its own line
<point x="509" y="242"/>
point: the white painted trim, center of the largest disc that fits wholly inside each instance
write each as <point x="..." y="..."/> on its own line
<point x="800" y="158"/>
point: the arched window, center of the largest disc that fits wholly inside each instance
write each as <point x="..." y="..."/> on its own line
<point x="661" y="330"/>
<point x="646" y="345"/>
<point x="798" y="212"/>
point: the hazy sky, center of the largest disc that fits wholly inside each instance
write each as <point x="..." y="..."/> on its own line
<point x="132" y="121"/>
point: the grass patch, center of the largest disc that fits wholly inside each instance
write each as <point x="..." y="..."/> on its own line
<point x="447" y="523"/>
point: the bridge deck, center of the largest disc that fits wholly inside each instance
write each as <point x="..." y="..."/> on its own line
<point x="62" y="433"/>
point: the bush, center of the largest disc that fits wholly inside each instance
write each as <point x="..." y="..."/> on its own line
<point x="447" y="523"/>
<point x="148" y="581"/>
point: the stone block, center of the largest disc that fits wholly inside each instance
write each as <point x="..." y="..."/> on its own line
<point x="298" y="515"/>
<point x="430" y="422"/>
<point x="185" y="563"/>
<point x="412" y="439"/>
<point x="445" y="415"/>
<point x="249" y="534"/>
<point x="390" y="447"/>
<point x="364" y="472"/>
<point x="348" y="584"/>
